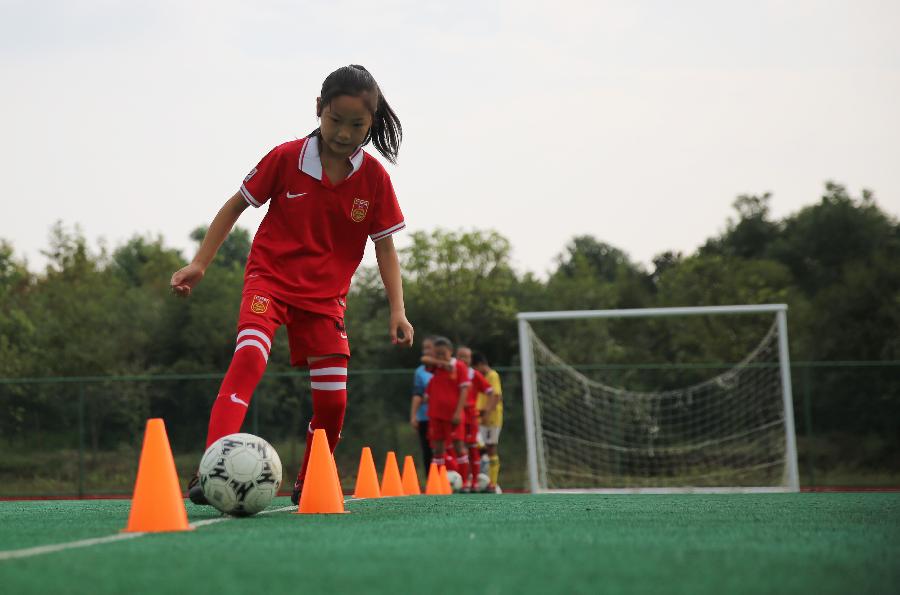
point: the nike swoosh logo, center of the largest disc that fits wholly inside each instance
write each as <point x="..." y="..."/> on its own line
<point x="343" y="335"/>
<point x="289" y="195"/>
<point x="235" y="399"/>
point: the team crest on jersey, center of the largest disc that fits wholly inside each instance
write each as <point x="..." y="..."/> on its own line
<point x="259" y="305"/>
<point x="359" y="210"/>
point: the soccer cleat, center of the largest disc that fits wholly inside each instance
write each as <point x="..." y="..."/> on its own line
<point x="195" y="491"/>
<point x="295" y="495"/>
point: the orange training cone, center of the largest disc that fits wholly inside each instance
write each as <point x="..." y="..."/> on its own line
<point x="433" y="485"/>
<point x="321" y="494"/>
<point x="337" y="474"/>
<point x="367" y="478"/>
<point x="445" y="481"/>
<point x="410" y="478"/>
<point x="390" y="481"/>
<point x="157" y="504"/>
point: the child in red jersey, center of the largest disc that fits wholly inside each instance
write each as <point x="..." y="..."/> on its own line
<point x="327" y="197"/>
<point x="447" y="392"/>
<point x="478" y="385"/>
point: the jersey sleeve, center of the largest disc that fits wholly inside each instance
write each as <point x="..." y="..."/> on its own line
<point x="388" y="218"/>
<point x="482" y="385"/>
<point x="462" y="374"/>
<point x="259" y="185"/>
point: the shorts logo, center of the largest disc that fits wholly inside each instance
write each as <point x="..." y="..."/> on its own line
<point x="359" y="210"/>
<point x="259" y="305"/>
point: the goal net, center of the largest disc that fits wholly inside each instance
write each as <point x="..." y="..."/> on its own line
<point x="732" y="431"/>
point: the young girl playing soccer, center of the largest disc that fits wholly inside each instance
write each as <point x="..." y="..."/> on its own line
<point x="327" y="197"/>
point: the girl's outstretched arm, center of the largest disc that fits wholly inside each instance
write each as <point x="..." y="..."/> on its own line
<point x="187" y="278"/>
<point x="389" y="267"/>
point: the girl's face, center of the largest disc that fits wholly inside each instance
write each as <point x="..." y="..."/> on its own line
<point x="344" y="124"/>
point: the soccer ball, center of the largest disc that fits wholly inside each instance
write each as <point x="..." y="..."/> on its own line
<point x="482" y="482"/>
<point x="455" y="481"/>
<point x="240" y="474"/>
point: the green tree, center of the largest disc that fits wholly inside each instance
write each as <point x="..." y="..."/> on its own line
<point x="460" y="284"/>
<point x="751" y="235"/>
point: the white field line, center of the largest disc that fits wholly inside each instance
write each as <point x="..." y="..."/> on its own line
<point x="58" y="547"/>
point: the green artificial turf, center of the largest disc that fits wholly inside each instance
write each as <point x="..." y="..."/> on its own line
<point x="754" y="543"/>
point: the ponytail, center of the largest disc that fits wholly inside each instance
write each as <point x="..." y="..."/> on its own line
<point x="386" y="132"/>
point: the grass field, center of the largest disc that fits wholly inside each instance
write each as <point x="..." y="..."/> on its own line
<point x="760" y="543"/>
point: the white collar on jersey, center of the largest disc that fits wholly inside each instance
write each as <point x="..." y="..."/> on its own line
<point x="312" y="165"/>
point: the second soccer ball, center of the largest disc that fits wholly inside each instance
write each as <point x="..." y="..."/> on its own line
<point x="455" y="481"/>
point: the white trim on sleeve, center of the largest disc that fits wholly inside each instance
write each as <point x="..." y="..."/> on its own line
<point x="387" y="232"/>
<point x="249" y="197"/>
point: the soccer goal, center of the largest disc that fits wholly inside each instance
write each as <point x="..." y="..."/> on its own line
<point x="731" y="430"/>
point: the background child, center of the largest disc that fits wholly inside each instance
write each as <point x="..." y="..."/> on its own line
<point x="478" y="385"/>
<point x="446" y="398"/>
<point x="418" y="415"/>
<point x="491" y="412"/>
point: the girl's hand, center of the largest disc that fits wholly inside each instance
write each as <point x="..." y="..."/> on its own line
<point x="186" y="279"/>
<point x="401" y="330"/>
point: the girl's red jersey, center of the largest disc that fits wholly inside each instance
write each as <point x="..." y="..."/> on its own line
<point x="312" y="239"/>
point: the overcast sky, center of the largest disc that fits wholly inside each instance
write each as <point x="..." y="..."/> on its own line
<point x="636" y="121"/>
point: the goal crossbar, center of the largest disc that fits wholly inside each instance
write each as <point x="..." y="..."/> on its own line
<point x="652" y="312"/>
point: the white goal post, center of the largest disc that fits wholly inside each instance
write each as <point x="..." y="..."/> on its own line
<point x="730" y="433"/>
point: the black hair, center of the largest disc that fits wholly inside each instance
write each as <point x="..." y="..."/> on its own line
<point x="354" y="80"/>
<point x="443" y="342"/>
<point x="478" y="358"/>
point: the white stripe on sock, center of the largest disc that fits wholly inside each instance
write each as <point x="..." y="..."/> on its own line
<point x="328" y="372"/>
<point x="253" y="343"/>
<point x="328" y="385"/>
<point x="250" y="332"/>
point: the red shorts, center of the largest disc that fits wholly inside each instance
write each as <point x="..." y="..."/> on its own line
<point x="444" y="430"/>
<point x="309" y="334"/>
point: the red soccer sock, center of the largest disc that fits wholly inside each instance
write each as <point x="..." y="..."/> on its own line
<point x="244" y="373"/>
<point x="463" y="464"/>
<point x="475" y="463"/>
<point x="450" y="459"/>
<point x="328" y="379"/>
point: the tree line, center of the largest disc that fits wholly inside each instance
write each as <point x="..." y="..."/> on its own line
<point x="99" y="312"/>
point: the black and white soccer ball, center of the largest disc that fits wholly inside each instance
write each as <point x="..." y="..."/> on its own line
<point x="240" y="474"/>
